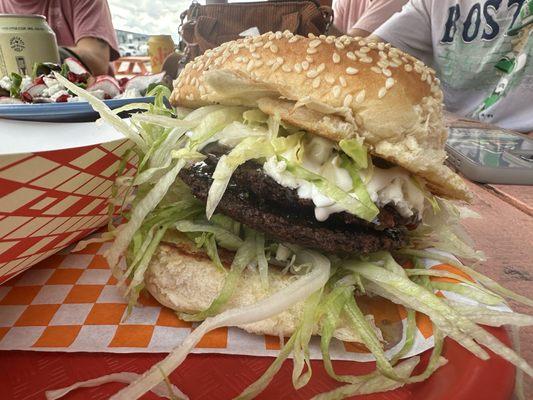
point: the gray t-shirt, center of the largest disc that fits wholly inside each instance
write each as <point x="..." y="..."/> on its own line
<point x="464" y="40"/>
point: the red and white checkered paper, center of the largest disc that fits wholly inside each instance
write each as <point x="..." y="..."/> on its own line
<point x="51" y="199"/>
<point x="69" y="302"/>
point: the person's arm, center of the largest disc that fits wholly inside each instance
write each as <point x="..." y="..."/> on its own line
<point x="96" y="41"/>
<point x="375" y="15"/>
<point x="358" y="32"/>
<point x="95" y="54"/>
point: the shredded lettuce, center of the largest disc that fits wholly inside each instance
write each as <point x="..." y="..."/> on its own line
<point x="486" y="281"/>
<point x="249" y="148"/>
<point x="373" y="382"/>
<point x="244" y="256"/>
<point x="301" y="344"/>
<point x="359" y="188"/>
<point x="357" y="151"/>
<point x="226" y="238"/>
<point x="455" y="325"/>
<point x="330" y="311"/>
<point x="350" y="203"/>
<point x="167" y="391"/>
<point x="262" y="262"/>
<point x="369" y="338"/>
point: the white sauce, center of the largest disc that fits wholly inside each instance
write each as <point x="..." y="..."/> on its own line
<point x="387" y="186"/>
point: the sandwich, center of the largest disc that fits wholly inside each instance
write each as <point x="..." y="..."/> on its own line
<point x="290" y="182"/>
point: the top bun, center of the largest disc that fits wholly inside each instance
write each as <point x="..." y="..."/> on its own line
<point x="336" y="87"/>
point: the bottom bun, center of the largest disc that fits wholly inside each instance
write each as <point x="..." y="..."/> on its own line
<point x="184" y="279"/>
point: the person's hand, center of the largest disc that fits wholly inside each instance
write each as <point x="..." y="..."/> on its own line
<point x="95" y="53"/>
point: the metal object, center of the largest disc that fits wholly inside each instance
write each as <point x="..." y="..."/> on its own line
<point x="25" y="40"/>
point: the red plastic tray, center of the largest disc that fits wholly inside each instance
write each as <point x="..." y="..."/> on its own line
<point x="26" y="375"/>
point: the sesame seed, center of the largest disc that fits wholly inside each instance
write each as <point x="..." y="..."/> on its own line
<point x="372" y="45"/>
<point x="279" y="35"/>
<point x="322" y="36"/>
<point x="339" y="45"/>
<point x="238" y="59"/>
<point x="270" y="62"/>
<point x="271" y="36"/>
<point x="351" y="56"/>
<point x="330" y="39"/>
<point x="382" y="92"/>
<point x="312" y="50"/>
<point x="386" y="72"/>
<point x="309" y="59"/>
<point x="305" y="65"/>
<point x="364" y="49"/>
<point x="315" y="43"/>
<point x="360" y="96"/>
<point x="389" y="83"/>
<point x="361" y="43"/>
<point x="397" y="60"/>
<point x="294" y="39"/>
<point x="286" y="68"/>
<point x="267" y="44"/>
<point x="274" y="48"/>
<point x="329" y="79"/>
<point x="347" y="100"/>
<point x="336" y="58"/>
<point x="383" y="63"/>
<point x="382" y="54"/>
<point x="366" y="60"/>
<point x="321" y="67"/>
<point x="351" y="71"/>
<point x="424" y="76"/>
<point x="280" y="60"/>
<point x="258" y="63"/>
<point x="311" y="36"/>
<point x="256" y="56"/>
<point x="336" y="91"/>
<point x="408" y="67"/>
<point x="381" y="46"/>
<point x="316" y="82"/>
<point x="375" y="69"/>
<point x="257" y="39"/>
<point x="298" y="68"/>
<point x="312" y="73"/>
<point x="342" y="81"/>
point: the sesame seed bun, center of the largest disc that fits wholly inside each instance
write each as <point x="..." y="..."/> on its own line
<point x="342" y="87"/>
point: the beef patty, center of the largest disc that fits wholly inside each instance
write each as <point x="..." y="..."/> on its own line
<point x="257" y="201"/>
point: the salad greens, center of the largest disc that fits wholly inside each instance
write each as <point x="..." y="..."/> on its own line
<point x="166" y="140"/>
